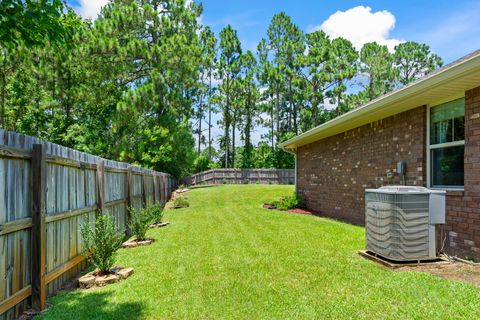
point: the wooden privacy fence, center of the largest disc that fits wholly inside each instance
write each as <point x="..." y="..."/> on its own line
<point x="242" y="176"/>
<point x="46" y="192"/>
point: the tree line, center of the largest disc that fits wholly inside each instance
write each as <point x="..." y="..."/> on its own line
<point x="146" y="82"/>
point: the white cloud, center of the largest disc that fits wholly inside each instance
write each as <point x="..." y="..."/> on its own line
<point x="90" y="8"/>
<point x="360" y="25"/>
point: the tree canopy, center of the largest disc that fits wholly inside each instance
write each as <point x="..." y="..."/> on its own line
<point x="148" y="83"/>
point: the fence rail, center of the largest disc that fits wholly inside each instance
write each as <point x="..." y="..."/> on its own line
<point x="46" y="192"/>
<point x="242" y="176"/>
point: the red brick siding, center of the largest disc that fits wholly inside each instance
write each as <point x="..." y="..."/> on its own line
<point x="463" y="209"/>
<point x="333" y="173"/>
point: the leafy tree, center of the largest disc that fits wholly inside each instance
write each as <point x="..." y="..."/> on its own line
<point x="344" y="59"/>
<point x="159" y="50"/>
<point x="269" y="78"/>
<point x="137" y="82"/>
<point x="327" y="65"/>
<point x="228" y="70"/>
<point x="286" y="43"/>
<point x="207" y="65"/>
<point x="279" y="72"/>
<point x="30" y="22"/>
<point x="249" y="94"/>
<point x="414" y="60"/>
<point x="376" y="63"/>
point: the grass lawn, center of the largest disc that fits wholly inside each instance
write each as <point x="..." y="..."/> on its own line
<point x="226" y="257"/>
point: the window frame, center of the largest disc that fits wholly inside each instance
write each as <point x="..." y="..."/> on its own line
<point x="430" y="147"/>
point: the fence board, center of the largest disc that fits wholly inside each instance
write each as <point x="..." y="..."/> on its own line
<point x="71" y="195"/>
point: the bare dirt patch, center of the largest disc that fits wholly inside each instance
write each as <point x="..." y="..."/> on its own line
<point x="452" y="271"/>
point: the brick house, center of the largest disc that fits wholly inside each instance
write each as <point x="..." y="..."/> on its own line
<point x="432" y="124"/>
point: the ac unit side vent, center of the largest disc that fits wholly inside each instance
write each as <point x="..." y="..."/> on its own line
<point x="398" y="222"/>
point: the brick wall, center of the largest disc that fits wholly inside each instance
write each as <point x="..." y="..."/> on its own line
<point x="463" y="208"/>
<point x="333" y="173"/>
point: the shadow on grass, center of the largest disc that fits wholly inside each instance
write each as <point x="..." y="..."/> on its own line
<point x="91" y="305"/>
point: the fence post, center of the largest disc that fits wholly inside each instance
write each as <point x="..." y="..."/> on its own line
<point x="160" y="187"/>
<point x="167" y="187"/>
<point x="144" y="189"/>
<point x="101" y="185"/>
<point x="128" y="216"/>
<point x="169" y="184"/>
<point x="154" y="188"/>
<point x="38" y="226"/>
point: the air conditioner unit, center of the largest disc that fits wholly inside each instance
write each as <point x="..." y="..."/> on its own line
<point x="400" y="221"/>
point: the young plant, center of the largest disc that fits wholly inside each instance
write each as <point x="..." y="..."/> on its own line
<point x="140" y="220"/>
<point x="156" y="212"/>
<point x="180" y="202"/>
<point x="290" y="202"/>
<point x="101" y="241"/>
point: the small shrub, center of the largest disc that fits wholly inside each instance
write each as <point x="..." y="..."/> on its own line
<point x="101" y="241"/>
<point x="139" y="222"/>
<point x="290" y="202"/>
<point x="182" y="186"/>
<point x="224" y="181"/>
<point x="180" y="202"/>
<point x="156" y="212"/>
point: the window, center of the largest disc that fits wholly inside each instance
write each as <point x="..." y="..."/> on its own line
<point x="447" y="144"/>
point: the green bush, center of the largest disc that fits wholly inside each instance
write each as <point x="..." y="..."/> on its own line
<point x="140" y="220"/>
<point x="101" y="241"/>
<point x="290" y="202"/>
<point x="156" y="212"/>
<point x="180" y="202"/>
<point x="182" y="186"/>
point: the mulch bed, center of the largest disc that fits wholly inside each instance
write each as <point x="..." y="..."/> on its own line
<point x="302" y="211"/>
<point x="133" y="243"/>
<point x="95" y="279"/>
<point x="293" y="211"/>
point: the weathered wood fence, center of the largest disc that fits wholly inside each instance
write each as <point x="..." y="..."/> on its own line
<point x="242" y="176"/>
<point x="46" y="192"/>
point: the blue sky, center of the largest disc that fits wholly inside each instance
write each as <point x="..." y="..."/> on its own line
<point x="451" y="28"/>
